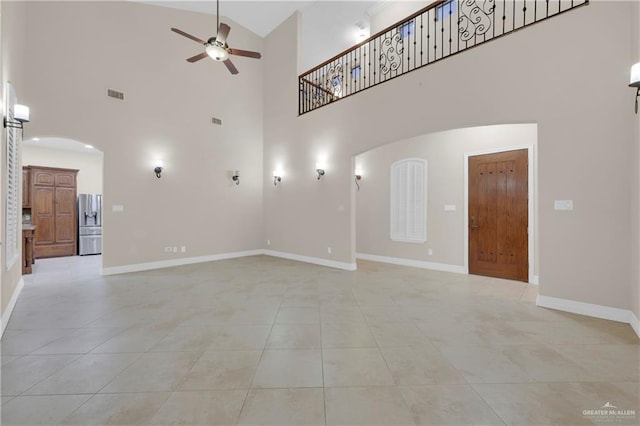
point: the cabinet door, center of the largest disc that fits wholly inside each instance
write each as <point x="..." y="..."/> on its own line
<point x="66" y="179"/>
<point x="65" y="215"/>
<point x="43" y="214"/>
<point x="26" y="190"/>
<point x="43" y="177"/>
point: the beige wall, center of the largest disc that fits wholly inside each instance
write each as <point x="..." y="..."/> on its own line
<point x="89" y="165"/>
<point x="12" y="37"/>
<point x="395" y="11"/>
<point x="166" y="114"/>
<point x="545" y="74"/>
<point x="445" y="156"/>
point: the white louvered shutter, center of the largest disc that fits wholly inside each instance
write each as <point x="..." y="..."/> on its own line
<point x="409" y="201"/>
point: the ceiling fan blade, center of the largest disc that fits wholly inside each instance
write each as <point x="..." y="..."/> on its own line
<point x="247" y="53"/>
<point x="187" y="35"/>
<point x="197" y="57"/>
<point x="223" y="32"/>
<point x="232" y="68"/>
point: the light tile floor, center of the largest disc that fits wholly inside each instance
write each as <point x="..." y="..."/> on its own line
<point x="262" y="340"/>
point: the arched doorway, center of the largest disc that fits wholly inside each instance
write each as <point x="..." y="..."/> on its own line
<point x="57" y="172"/>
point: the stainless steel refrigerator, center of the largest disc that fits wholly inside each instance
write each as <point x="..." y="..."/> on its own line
<point x="89" y="224"/>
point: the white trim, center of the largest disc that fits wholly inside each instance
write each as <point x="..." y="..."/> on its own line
<point x="635" y="324"/>
<point x="113" y="270"/>
<point x="13" y="175"/>
<point x="315" y="260"/>
<point x="176" y="262"/>
<point x="536" y="280"/>
<point x="412" y="263"/>
<point x="531" y="198"/>
<point x="6" y="315"/>
<point x="591" y="310"/>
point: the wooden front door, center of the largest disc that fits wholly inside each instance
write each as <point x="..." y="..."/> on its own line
<point x="498" y="215"/>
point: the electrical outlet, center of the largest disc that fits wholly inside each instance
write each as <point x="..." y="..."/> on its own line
<point x="174" y="249"/>
<point x="268" y="242"/>
<point x="329" y="250"/>
<point x="430" y="252"/>
<point x="563" y="205"/>
<point x="183" y="249"/>
<point x="167" y="249"/>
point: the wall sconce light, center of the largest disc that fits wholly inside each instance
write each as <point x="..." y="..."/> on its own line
<point x="158" y="169"/>
<point x="20" y="115"/>
<point x="277" y="176"/>
<point x="320" y="169"/>
<point x="635" y="81"/>
<point x="236" y="177"/>
<point x="358" y="174"/>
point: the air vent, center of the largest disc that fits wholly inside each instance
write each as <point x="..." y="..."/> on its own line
<point x="115" y="94"/>
<point x="217" y="121"/>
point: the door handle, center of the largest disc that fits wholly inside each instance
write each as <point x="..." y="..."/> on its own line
<point x="474" y="224"/>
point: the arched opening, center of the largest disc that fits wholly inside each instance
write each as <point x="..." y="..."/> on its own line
<point x="446" y="193"/>
<point x="62" y="190"/>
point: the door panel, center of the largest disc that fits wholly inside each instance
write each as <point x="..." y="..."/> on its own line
<point x="43" y="202"/>
<point x="65" y="179"/>
<point x="65" y="222"/>
<point x="498" y="215"/>
<point x="43" y="177"/>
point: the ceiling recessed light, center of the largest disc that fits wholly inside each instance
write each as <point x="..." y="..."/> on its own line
<point x="88" y="146"/>
<point x="35" y="139"/>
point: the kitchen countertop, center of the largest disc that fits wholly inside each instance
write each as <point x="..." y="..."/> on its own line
<point x="28" y="227"/>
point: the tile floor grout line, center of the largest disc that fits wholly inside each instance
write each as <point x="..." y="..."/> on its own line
<point x="488" y="404"/>
<point x="264" y="348"/>
<point x="324" y="392"/>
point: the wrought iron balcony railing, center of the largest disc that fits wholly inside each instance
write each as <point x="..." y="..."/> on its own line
<point x="440" y="30"/>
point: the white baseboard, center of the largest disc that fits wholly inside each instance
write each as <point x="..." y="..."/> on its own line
<point x="6" y="315"/>
<point x="635" y="324"/>
<point x="413" y="263"/>
<point x="591" y="310"/>
<point x="176" y="262"/>
<point x="315" y="260"/>
<point x="113" y="270"/>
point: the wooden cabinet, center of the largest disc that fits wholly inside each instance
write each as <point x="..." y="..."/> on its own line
<point x="26" y="187"/>
<point x="53" y="211"/>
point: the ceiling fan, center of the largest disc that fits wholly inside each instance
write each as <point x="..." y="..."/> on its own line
<point x="216" y="47"/>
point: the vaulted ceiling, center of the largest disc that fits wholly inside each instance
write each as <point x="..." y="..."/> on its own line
<point x="259" y="16"/>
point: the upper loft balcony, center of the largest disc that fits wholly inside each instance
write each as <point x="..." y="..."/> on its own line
<point x="438" y="31"/>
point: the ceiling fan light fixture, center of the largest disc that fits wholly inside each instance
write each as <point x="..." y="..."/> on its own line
<point x="216" y="52"/>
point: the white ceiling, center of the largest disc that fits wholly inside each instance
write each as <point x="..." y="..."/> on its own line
<point x="259" y="16"/>
<point x="61" y="143"/>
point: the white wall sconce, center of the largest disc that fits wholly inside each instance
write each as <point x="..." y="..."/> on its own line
<point x="277" y="176"/>
<point x="635" y="81"/>
<point x="358" y="176"/>
<point x="320" y="169"/>
<point x="236" y="177"/>
<point x="158" y="169"/>
<point x="20" y="116"/>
